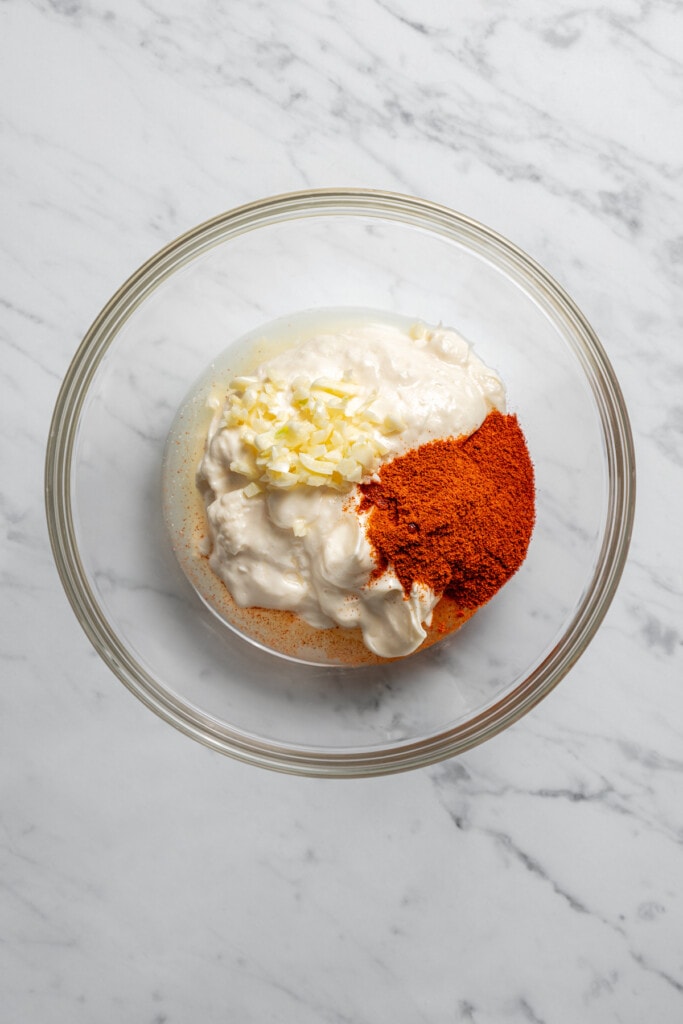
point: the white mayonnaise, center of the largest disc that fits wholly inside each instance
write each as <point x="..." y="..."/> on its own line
<point x="286" y="448"/>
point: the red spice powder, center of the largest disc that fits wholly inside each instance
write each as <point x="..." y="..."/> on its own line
<point x="455" y="514"/>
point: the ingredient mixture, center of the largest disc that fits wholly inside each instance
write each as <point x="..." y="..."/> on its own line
<point x="362" y="475"/>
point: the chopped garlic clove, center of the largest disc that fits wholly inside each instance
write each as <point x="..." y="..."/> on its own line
<point x="324" y="433"/>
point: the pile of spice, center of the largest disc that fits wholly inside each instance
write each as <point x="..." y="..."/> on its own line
<point x="457" y="514"/>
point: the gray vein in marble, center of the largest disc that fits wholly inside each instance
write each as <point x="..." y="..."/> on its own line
<point x="533" y="866"/>
<point x="150" y="437"/>
<point x="528" y="1013"/>
<point x="616" y="800"/>
<point x="625" y="24"/>
<point x="449" y="780"/>
<point x="668" y="436"/>
<point x="660" y="638"/>
<point x="111" y="581"/>
<point x="417" y="26"/>
<point x="296" y="998"/>
<point x="34" y="360"/>
<point x="657" y="972"/>
<point x="664" y="577"/>
<point x="24" y="313"/>
<point x="650" y="759"/>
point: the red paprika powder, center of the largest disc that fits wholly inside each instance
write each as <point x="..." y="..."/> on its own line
<point x="455" y="514"/>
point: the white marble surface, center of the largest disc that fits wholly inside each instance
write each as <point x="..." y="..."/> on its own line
<point x="539" y="878"/>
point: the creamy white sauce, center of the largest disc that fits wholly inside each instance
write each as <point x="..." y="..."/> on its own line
<point x="304" y="548"/>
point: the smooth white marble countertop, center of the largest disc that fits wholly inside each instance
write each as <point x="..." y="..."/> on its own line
<point x="144" y="878"/>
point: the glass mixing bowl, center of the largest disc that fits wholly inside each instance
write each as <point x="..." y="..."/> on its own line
<point x="326" y="249"/>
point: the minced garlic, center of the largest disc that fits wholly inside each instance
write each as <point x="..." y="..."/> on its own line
<point x="321" y="432"/>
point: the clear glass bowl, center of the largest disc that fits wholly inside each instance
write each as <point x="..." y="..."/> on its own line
<point x="318" y="249"/>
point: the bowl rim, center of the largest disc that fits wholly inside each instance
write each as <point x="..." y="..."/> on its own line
<point x="614" y="420"/>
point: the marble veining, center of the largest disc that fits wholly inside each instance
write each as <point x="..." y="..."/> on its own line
<point x="538" y="878"/>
